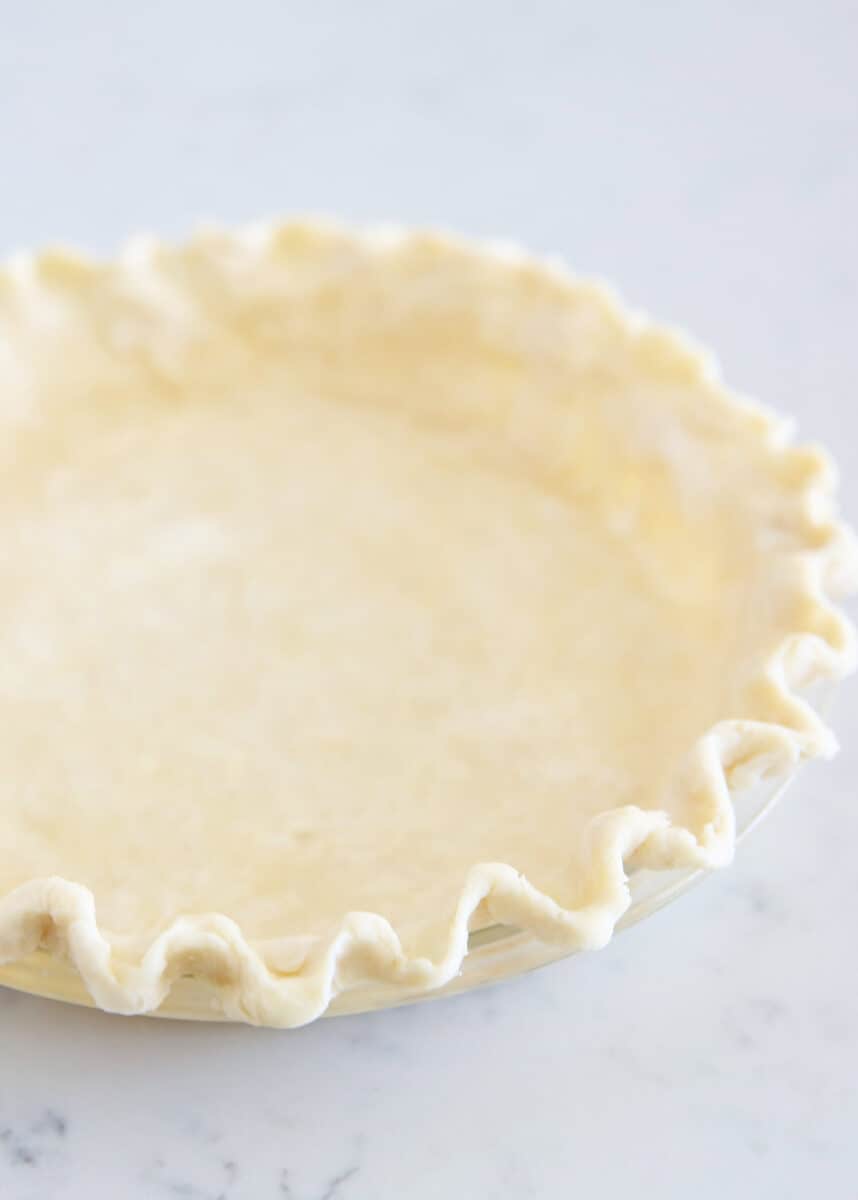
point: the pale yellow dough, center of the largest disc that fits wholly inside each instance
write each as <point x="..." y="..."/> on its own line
<point x="332" y="567"/>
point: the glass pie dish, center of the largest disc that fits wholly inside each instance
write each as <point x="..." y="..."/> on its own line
<point x="382" y="614"/>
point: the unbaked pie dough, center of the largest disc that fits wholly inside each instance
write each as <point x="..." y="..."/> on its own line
<point x="356" y="590"/>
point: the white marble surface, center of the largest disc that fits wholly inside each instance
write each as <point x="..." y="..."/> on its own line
<point x="702" y="155"/>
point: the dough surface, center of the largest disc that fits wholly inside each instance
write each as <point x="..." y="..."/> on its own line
<point x="333" y="568"/>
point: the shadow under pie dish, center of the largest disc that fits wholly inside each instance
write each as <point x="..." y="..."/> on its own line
<point x="361" y="591"/>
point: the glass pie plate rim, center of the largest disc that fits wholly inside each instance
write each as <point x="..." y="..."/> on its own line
<point x="495" y="952"/>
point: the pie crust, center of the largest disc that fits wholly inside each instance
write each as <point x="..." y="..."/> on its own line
<point x="363" y="589"/>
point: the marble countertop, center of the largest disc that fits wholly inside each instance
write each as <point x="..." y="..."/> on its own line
<point x="702" y="156"/>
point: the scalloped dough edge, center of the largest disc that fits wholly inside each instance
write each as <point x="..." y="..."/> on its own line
<point x="59" y="916"/>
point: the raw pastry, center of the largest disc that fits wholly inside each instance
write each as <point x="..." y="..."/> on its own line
<point x="358" y="588"/>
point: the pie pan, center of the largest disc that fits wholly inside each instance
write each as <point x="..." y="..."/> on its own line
<point x="382" y="614"/>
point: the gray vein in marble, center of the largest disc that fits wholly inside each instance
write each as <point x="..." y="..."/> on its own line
<point x="171" y="1183"/>
<point x="335" y="1187"/>
<point x="31" y="1143"/>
